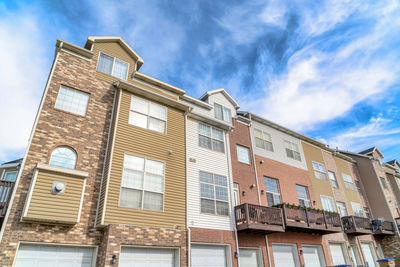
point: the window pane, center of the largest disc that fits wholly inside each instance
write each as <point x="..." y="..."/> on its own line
<point x="10" y="176"/>
<point x="206" y="177"/>
<point x="270" y="199"/>
<point x="72" y="100"/>
<point x="207" y="191"/>
<point x="221" y="193"/>
<point x="258" y="134"/>
<point x="137" y="119"/>
<point x="268" y="146"/>
<point x="302" y="192"/>
<point x="155" y="167"/>
<point x="154" y="183"/>
<point x="296" y="156"/>
<point x="204" y="130"/>
<point x="218" y="111"/>
<point x="105" y="63"/>
<point x="217" y="134"/>
<point x="205" y="142"/>
<point x="207" y="206"/>
<point x="131" y="198"/>
<point x="218" y="146"/>
<point x="133" y="162"/>
<point x="227" y="115"/>
<point x="63" y="157"/>
<point x="260" y="143"/>
<point x="243" y="154"/>
<point x="120" y="69"/>
<point x="158" y="111"/>
<point x="289" y="153"/>
<point x="271" y="185"/>
<point x="132" y="179"/>
<point x="157" y="125"/>
<point x="139" y="105"/>
<point x="277" y="199"/>
<point x="153" y="201"/>
<point x="222" y="208"/>
<point x="220" y="180"/>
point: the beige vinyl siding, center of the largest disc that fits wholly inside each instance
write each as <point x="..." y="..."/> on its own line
<point x="46" y="206"/>
<point x="141" y="142"/>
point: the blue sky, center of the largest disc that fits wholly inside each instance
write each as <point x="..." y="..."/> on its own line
<point x="328" y="69"/>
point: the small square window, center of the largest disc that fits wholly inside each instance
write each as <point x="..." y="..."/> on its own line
<point x="72" y="100"/>
<point x="243" y="154"/>
<point x="113" y="66"/>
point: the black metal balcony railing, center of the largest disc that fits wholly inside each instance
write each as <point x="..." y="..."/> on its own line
<point x="259" y="219"/>
<point x="6" y="188"/>
<point x="354" y="225"/>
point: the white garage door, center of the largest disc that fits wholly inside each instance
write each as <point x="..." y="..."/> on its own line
<point x="248" y="257"/>
<point x="313" y="256"/>
<point x="337" y="254"/>
<point x="30" y="255"/>
<point x="285" y="255"/>
<point x="208" y="256"/>
<point x="369" y="254"/>
<point x="146" y="257"/>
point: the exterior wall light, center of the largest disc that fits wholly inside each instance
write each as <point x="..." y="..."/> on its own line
<point x="114" y="259"/>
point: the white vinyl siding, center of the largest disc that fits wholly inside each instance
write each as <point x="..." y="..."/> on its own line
<point x="214" y="194"/>
<point x="144" y="257"/>
<point x="319" y="171"/>
<point x="72" y="100"/>
<point x="243" y="154"/>
<point x="209" y="256"/>
<point x="147" y="114"/>
<point x="328" y="204"/>
<point x="113" y="66"/>
<point x="292" y="150"/>
<point x="211" y="138"/>
<point x="348" y="181"/>
<point x="37" y="255"/>
<point x="285" y="255"/>
<point x="142" y="185"/>
<point x="263" y="140"/>
<point x="357" y="209"/>
<point x="338" y="253"/>
<point x="222" y="113"/>
<point x="332" y="178"/>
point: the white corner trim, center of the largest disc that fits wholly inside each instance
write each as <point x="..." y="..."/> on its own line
<point x="46" y="167"/>
<point x="81" y="203"/>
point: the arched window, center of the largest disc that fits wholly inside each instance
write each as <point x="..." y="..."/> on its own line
<point x="63" y="157"/>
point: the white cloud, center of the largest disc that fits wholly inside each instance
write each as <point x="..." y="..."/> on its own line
<point x="22" y="73"/>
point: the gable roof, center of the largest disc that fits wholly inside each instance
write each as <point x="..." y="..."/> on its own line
<point x="120" y="41"/>
<point x="394" y="163"/>
<point x="220" y="90"/>
<point x="370" y="151"/>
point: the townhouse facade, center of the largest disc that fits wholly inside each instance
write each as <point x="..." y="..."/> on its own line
<point x="123" y="169"/>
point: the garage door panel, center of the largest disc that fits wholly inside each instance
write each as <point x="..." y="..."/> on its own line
<point x="285" y="255"/>
<point x="248" y="258"/>
<point x="147" y="257"/>
<point x="208" y="256"/>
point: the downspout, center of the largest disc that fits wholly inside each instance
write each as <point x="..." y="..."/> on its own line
<point x="189" y="260"/>
<point x="228" y="159"/>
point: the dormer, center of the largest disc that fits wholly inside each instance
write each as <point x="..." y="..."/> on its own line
<point x="224" y="106"/>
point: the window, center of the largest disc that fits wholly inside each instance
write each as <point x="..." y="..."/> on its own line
<point x="338" y="253"/>
<point x="263" y="140"/>
<point x="243" y="154"/>
<point x="358" y="187"/>
<point x="10" y="176"/>
<point x="367" y="213"/>
<point x="302" y="194"/>
<point x="236" y="196"/>
<point x="332" y="178"/>
<point x="148" y="115"/>
<point x="348" y="181"/>
<point x="342" y="208"/>
<point x="222" y="113"/>
<point x="142" y="185"/>
<point x="214" y="194"/>
<point x="357" y="210"/>
<point x="383" y="182"/>
<point x="72" y="100"/>
<point x="210" y="137"/>
<point x="319" y="170"/>
<point x="113" y="66"/>
<point x="272" y="191"/>
<point x="328" y="204"/>
<point x="63" y="157"/>
<point x="292" y="150"/>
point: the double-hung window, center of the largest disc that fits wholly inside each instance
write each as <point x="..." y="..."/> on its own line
<point x="357" y="210"/>
<point x="210" y="137"/>
<point x="332" y="178"/>
<point x="222" y="113"/>
<point x="142" y="185"/>
<point x="272" y="191"/>
<point x="236" y="195"/>
<point x="263" y="140"/>
<point x="72" y="100"/>
<point x="292" y="150"/>
<point x="348" y="181"/>
<point x="319" y="170"/>
<point x="10" y="176"/>
<point x="113" y="66"/>
<point x="328" y="204"/>
<point x="357" y="183"/>
<point x="147" y="114"/>
<point x="243" y="154"/>
<point x="383" y="182"/>
<point x="214" y="194"/>
<point x="302" y="194"/>
<point x="342" y="208"/>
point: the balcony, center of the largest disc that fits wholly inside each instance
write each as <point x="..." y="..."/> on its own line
<point x="6" y="188"/>
<point x="354" y="225"/>
<point x="314" y="221"/>
<point x="383" y="227"/>
<point x="259" y="219"/>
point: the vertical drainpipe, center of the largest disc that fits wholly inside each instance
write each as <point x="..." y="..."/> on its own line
<point x="258" y="186"/>
<point x="189" y="260"/>
<point x="228" y="159"/>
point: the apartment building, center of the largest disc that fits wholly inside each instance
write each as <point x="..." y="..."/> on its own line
<point x="123" y="169"/>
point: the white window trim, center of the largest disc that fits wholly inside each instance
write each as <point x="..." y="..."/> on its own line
<point x="292" y="145"/>
<point x="215" y="197"/>
<point x="346" y="183"/>
<point x="211" y="137"/>
<point x="144" y="168"/>
<point x="236" y="192"/>
<point x="248" y="153"/>
<point x="223" y="108"/>
<point x="308" y="195"/>
<point x="263" y="134"/>
<point x="273" y="193"/>
<point x="345" y="208"/>
<point x="333" y="202"/>
<point x="331" y="180"/>
<point x="4" y="174"/>
<point x="326" y="174"/>
<point x="112" y="68"/>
